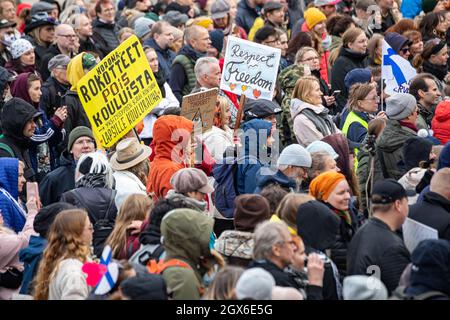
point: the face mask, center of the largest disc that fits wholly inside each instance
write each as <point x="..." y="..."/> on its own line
<point x="326" y="43"/>
<point x="8" y="39"/>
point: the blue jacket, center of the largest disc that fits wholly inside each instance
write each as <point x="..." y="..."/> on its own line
<point x="13" y="216"/>
<point x="30" y="257"/>
<point x="249" y="165"/>
<point x="278" y="178"/>
<point x="246" y="15"/>
<point x="411" y="8"/>
<point x="165" y="57"/>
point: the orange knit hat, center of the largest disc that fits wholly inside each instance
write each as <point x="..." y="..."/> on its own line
<point x="322" y="185"/>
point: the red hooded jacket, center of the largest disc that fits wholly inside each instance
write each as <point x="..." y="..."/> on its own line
<point x="441" y="122"/>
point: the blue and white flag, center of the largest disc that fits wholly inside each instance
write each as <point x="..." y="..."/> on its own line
<point x="109" y="279"/>
<point x="396" y="71"/>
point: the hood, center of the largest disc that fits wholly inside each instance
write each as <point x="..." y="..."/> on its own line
<point x="186" y="234"/>
<point x="66" y="159"/>
<point x="438" y="200"/>
<point x="393" y="136"/>
<point x="444" y="157"/>
<point x="430" y="267"/>
<point x="415" y="150"/>
<point x="232" y="243"/>
<point x="442" y="112"/>
<point x="9" y="175"/>
<point x="16" y="113"/>
<point x="34" y="250"/>
<point x="396" y="41"/>
<point x="317" y="225"/>
<point x="256" y="125"/>
<point x="189" y="52"/>
<point x="277" y="178"/>
<point x="193" y="203"/>
<point x="169" y="132"/>
<point x="19" y="88"/>
<point x="75" y="71"/>
<point x="298" y="106"/>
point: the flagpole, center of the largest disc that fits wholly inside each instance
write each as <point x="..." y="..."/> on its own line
<point x="381" y="78"/>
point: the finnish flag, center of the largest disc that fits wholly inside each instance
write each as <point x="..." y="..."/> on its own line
<point x="109" y="279"/>
<point x="396" y="71"/>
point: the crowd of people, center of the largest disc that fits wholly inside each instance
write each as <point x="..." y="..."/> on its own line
<point x="302" y="197"/>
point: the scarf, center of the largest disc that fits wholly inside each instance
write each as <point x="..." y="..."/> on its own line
<point x="91" y="180"/>
<point x="439" y="71"/>
<point x="409" y="125"/>
<point x="161" y="80"/>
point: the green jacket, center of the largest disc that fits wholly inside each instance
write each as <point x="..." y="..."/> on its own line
<point x="390" y="144"/>
<point x="287" y="78"/>
<point x="186" y="235"/>
<point x="188" y="66"/>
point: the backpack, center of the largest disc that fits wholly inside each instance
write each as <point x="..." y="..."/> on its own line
<point x="225" y="186"/>
<point x="102" y="227"/>
<point x="399" y="294"/>
<point x="148" y="252"/>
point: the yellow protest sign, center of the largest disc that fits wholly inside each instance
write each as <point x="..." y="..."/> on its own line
<point x="119" y="92"/>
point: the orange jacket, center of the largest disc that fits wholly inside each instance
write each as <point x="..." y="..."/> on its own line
<point x="171" y="134"/>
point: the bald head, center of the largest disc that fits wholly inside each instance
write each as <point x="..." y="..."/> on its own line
<point x="286" y="293"/>
<point x="198" y="38"/>
<point x="65" y="38"/>
<point x="440" y="183"/>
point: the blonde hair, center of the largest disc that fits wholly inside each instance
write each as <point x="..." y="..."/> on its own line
<point x="220" y="111"/>
<point x="64" y="242"/>
<point x="35" y="34"/>
<point x="358" y="91"/>
<point x="303" y="88"/>
<point x="301" y="52"/>
<point x="135" y="207"/>
<point x="287" y="209"/>
<point x="350" y="36"/>
<point x="224" y="283"/>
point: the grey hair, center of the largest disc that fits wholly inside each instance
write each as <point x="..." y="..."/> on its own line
<point x="267" y="234"/>
<point x="318" y="162"/>
<point x="202" y="65"/>
<point x="192" y="32"/>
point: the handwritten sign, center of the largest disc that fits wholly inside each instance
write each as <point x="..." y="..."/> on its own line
<point x="199" y="107"/>
<point x="119" y="92"/>
<point x="414" y="232"/>
<point x="250" y="68"/>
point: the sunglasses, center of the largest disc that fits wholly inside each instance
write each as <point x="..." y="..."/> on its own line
<point x="405" y="50"/>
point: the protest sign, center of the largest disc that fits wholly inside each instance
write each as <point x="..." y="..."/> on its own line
<point x="414" y="232"/>
<point x="199" y="107"/>
<point x="119" y="92"/>
<point x="250" y="69"/>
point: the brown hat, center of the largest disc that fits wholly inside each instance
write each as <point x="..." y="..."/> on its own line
<point x="129" y="152"/>
<point x="251" y="209"/>
<point x="189" y="180"/>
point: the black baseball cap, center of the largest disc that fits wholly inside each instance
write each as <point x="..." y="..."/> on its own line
<point x="388" y="191"/>
<point x="260" y="109"/>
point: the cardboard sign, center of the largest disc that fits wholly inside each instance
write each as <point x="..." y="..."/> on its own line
<point x="200" y="106"/>
<point x="119" y="92"/>
<point x="414" y="232"/>
<point x="250" y="68"/>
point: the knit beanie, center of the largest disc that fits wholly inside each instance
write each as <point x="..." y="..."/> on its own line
<point x="251" y="209"/>
<point x="217" y="37"/>
<point x="142" y="26"/>
<point x="46" y="215"/>
<point x="295" y="155"/>
<point x="77" y="133"/>
<point x="428" y="5"/>
<point x="322" y="185"/>
<point x="19" y="47"/>
<point x="360" y="287"/>
<point x="400" y="106"/>
<point x="313" y="16"/>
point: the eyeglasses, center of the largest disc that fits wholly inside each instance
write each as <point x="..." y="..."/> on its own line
<point x="85" y="141"/>
<point x="67" y="35"/>
<point x="273" y="41"/>
<point x="376" y="99"/>
<point x="310" y="59"/>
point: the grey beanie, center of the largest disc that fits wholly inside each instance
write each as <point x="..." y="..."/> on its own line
<point x="400" y="106"/>
<point x="295" y="155"/>
<point x="364" y="288"/>
<point x="142" y="26"/>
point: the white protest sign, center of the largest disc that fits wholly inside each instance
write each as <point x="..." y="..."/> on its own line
<point x="414" y="232"/>
<point x="250" y="68"/>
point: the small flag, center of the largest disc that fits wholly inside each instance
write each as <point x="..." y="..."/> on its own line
<point x="396" y="71"/>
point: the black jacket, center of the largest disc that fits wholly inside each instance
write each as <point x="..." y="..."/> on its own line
<point x="76" y="116"/>
<point x="105" y="36"/>
<point x="374" y="246"/>
<point x="51" y="52"/>
<point x="52" y="93"/>
<point x="286" y="279"/>
<point x="434" y="212"/>
<point x="346" y="61"/>
<point x="58" y="181"/>
<point x="15" y="114"/>
<point x="89" y="45"/>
